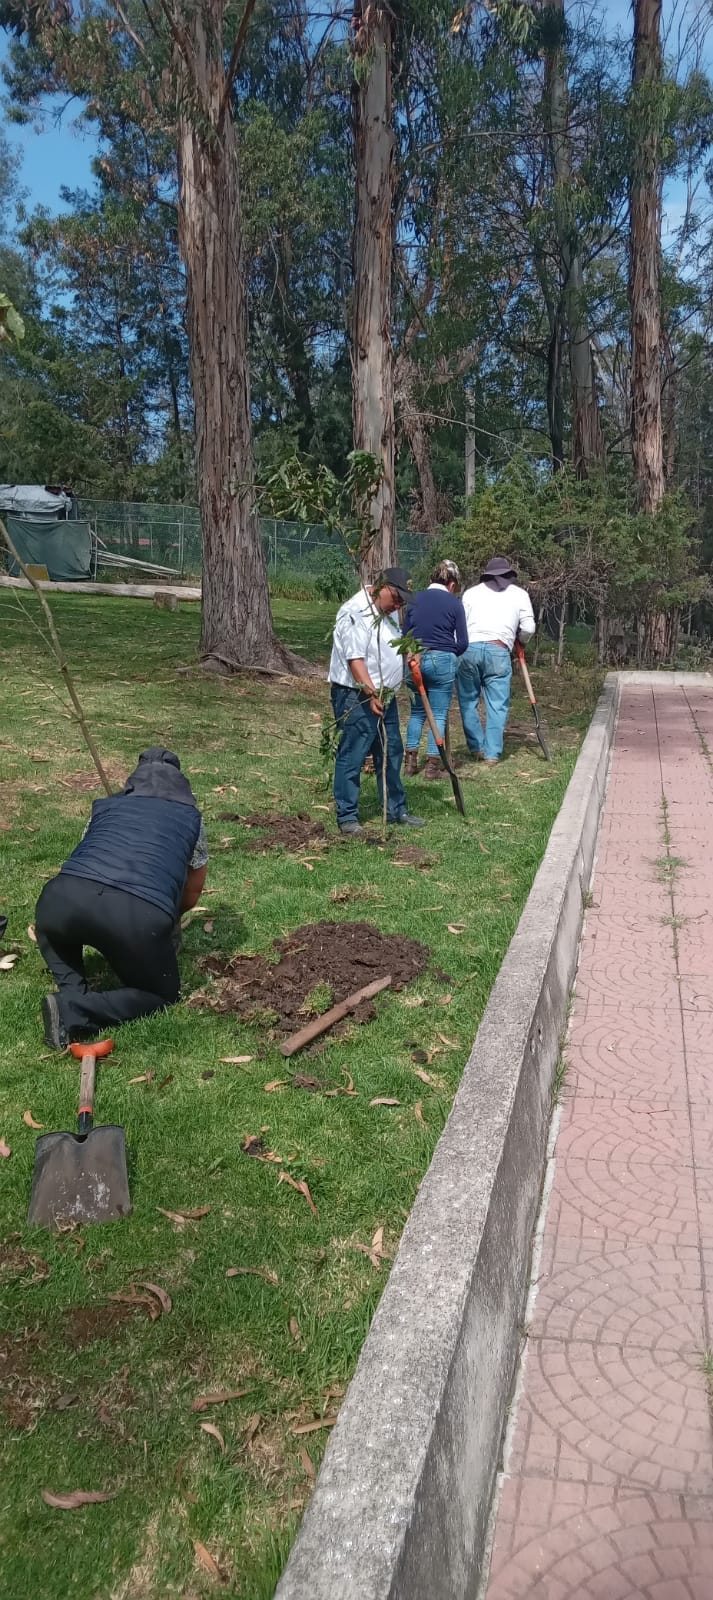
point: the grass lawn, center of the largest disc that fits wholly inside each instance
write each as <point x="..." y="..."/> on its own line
<point x="95" y="1395"/>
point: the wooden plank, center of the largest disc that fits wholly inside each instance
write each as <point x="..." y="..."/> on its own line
<point x="122" y="591"/>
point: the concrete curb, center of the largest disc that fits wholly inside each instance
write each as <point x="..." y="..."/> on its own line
<point x="400" y="1510"/>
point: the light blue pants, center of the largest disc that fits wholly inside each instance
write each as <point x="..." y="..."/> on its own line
<point x="485" y="669"/>
<point x="438" y="670"/>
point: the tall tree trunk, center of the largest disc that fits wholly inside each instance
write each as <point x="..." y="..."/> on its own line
<point x="587" y="437"/>
<point x="644" y="256"/>
<point x="372" y="358"/>
<point x="469" y="444"/>
<point x="237" y="628"/>
<point x="418" y="436"/>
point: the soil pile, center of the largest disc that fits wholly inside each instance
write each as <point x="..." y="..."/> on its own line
<point x="280" y="832"/>
<point x="327" y="960"/>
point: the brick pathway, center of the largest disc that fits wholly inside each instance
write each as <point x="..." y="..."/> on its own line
<point x="608" y="1489"/>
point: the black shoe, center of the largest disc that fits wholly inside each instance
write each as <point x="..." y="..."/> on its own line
<point x="351" y="830"/>
<point x="405" y="820"/>
<point x="56" y="1037"/>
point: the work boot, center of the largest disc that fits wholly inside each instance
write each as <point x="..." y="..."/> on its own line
<point x="411" y="763"/>
<point x="433" y="768"/>
<point x="55" y="1032"/>
<point x="351" y="830"/>
<point x="405" y="820"/>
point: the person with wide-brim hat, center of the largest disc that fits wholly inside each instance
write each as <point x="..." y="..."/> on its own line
<point x="498" y="611"/>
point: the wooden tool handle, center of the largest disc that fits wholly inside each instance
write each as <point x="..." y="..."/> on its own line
<point x="86" y="1092"/>
<point x="519" y="652"/>
<point x="297" y="1041"/>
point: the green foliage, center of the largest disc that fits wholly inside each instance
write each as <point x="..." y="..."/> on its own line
<point x="298" y="490"/>
<point x="582" y="541"/>
<point x="11" y="323"/>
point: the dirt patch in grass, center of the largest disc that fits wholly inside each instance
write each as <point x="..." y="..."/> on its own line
<point x="14" y="1260"/>
<point x="85" y="1324"/>
<point x="341" y="955"/>
<point x="411" y="855"/>
<point x="87" y="782"/>
<point x="284" y="832"/>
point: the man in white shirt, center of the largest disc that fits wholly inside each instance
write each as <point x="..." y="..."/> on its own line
<point x="497" y="613"/>
<point x="362" y="669"/>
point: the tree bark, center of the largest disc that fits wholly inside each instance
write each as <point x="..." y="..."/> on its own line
<point x="644" y="257"/>
<point x="414" y="424"/>
<point x="371" y="353"/>
<point x="587" y="437"/>
<point x="237" y="629"/>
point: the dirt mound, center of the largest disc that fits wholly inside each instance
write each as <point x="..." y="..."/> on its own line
<point x="411" y="855"/>
<point x="85" y="1324"/>
<point x="318" y="966"/>
<point x="281" y="832"/>
<point x="87" y="782"/>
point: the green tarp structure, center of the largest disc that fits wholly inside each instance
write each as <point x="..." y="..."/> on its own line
<point x="63" y="547"/>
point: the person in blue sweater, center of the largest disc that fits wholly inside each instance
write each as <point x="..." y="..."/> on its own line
<point x="436" y="618"/>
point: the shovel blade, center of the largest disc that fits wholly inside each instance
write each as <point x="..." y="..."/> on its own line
<point x="80" y="1179"/>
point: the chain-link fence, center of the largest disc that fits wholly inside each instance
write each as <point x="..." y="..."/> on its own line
<point x="170" y="536"/>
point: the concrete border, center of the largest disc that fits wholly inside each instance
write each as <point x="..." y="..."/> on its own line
<point x="400" y="1509"/>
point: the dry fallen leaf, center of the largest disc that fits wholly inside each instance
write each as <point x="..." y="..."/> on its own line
<point x="434" y="1051"/>
<point x="456" y="927"/>
<point x="313" y="1427"/>
<point x="445" y="999"/>
<point x="209" y="925"/>
<point x="302" y="1188"/>
<point x="451" y="1043"/>
<point x="251" y="1427"/>
<point x="384" y="1100"/>
<point x="307" y="1464"/>
<point x="144" y="1077"/>
<point x="418" y="1072"/>
<point x="235" y="1061"/>
<point x="219" y="1398"/>
<point x="77" y="1497"/>
<point x="205" y="1560"/>
<point x="418" y="1112"/>
<point x="254" y="1272"/>
<point x="7" y="962"/>
<point x="5" y="1148"/>
<point x="161" y="1295"/>
<point x="29" y="1120"/>
<point x="179" y="1218"/>
<point x="31" y="932"/>
<point x="133" y="1299"/>
<point x="275" y="1083"/>
<point x="215" y="1433"/>
<point x="375" y="1250"/>
<point x="295" y="1329"/>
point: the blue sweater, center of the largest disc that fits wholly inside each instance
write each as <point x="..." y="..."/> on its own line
<point x="437" y="618"/>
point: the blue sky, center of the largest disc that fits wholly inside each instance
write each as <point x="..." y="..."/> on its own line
<point x="55" y="151"/>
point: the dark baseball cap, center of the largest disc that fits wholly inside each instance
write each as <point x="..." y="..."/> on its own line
<point x="399" y="579"/>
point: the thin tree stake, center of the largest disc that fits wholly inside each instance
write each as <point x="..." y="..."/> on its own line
<point x="61" y="662"/>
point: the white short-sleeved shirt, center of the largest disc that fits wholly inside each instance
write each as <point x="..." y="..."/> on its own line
<point x="504" y="614"/>
<point x="361" y="633"/>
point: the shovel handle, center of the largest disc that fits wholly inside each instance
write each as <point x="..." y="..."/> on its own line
<point x="416" y="674"/>
<point x="519" y="652"/>
<point x="86" y="1093"/>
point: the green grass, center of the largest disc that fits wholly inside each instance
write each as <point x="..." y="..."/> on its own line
<point x="247" y="745"/>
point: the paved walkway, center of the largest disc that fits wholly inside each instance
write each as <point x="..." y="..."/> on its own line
<point x="608" y="1490"/>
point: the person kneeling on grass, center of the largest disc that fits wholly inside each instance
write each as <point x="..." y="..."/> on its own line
<point x="362" y="667"/>
<point x="140" y="864"/>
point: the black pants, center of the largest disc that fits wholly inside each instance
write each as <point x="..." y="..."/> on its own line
<point x="134" y="936"/>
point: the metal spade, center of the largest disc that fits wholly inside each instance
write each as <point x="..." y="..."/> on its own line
<point x="81" y="1177"/>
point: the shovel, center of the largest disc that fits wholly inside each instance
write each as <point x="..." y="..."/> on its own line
<point x="519" y="652"/>
<point x="81" y="1177"/>
<point x="440" y="741"/>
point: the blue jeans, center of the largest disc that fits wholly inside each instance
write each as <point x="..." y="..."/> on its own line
<point x="361" y="737"/>
<point x="438" y="669"/>
<point x="485" y="669"/>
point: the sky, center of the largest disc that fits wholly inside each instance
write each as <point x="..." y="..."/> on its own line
<point x="54" y="150"/>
